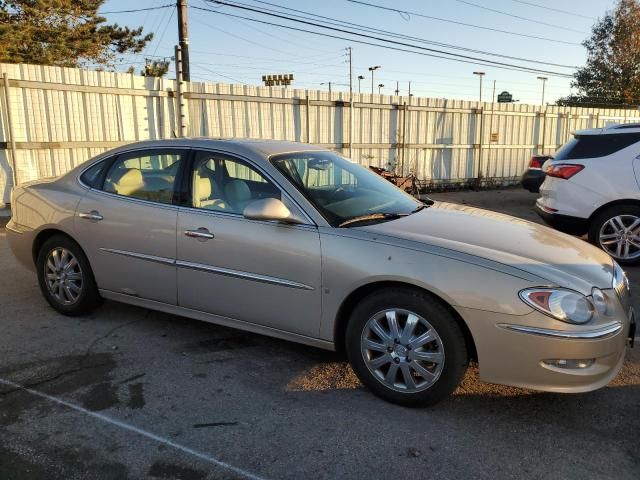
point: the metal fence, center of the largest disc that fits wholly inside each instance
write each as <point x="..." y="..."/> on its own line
<point x="53" y="118"/>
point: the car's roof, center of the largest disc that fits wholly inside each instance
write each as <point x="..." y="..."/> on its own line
<point x="611" y="129"/>
<point x="264" y="148"/>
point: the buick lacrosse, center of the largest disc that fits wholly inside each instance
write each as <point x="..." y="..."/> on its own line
<point x="294" y="241"/>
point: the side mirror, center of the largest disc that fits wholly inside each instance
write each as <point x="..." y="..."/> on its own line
<point x="270" y="209"/>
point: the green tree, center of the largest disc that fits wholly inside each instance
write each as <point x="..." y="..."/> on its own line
<point x="155" y="68"/>
<point x="611" y="75"/>
<point x="65" y="33"/>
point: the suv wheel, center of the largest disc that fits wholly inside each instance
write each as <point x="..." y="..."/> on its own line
<point x="406" y="347"/>
<point x="617" y="231"/>
<point x="65" y="277"/>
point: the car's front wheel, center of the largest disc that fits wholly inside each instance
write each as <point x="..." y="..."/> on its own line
<point x="617" y="231"/>
<point x="65" y="276"/>
<point x="406" y="347"/>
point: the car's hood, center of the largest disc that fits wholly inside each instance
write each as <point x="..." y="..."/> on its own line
<point x="560" y="259"/>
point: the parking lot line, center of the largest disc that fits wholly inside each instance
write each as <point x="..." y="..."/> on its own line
<point x="134" y="429"/>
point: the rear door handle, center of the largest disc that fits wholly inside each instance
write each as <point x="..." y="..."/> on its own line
<point x="200" y="234"/>
<point x="93" y="215"/>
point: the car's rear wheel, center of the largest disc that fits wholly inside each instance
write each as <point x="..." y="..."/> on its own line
<point x="65" y="276"/>
<point x="406" y="347"/>
<point x="617" y="231"/>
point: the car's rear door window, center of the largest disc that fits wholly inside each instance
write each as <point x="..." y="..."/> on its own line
<point x="594" y="146"/>
<point x="149" y="175"/>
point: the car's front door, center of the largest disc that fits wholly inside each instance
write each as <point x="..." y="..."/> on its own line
<point x="260" y="272"/>
<point x="126" y="224"/>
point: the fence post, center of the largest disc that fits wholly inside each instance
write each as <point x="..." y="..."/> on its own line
<point x="478" y="178"/>
<point x="12" y="138"/>
<point x="308" y="105"/>
<point x="405" y="111"/>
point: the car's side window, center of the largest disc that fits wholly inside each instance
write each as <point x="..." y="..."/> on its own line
<point x="225" y="184"/>
<point x="92" y="174"/>
<point x="149" y="175"/>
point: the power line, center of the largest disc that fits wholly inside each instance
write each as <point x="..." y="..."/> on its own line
<point x="471" y="25"/>
<point x="164" y="31"/>
<point x="170" y="5"/>
<point x="526" y="19"/>
<point x="366" y="28"/>
<point x="531" y="4"/>
<point x="456" y="57"/>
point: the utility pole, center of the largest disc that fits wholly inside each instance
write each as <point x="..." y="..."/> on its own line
<point x="493" y="97"/>
<point x="480" y="74"/>
<point x="180" y="126"/>
<point x="410" y="89"/>
<point x="397" y="88"/>
<point x="350" y="71"/>
<point x="544" y="81"/>
<point x="351" y="104"/>
<point x="327" y="83"/>
<point x="183" y="38"/>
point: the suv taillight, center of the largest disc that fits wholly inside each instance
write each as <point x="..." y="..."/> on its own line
<point x="537" y="161"/>
<point x="563" y="170"/>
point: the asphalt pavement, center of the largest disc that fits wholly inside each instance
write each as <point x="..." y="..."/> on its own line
<point x="128" y="393"/>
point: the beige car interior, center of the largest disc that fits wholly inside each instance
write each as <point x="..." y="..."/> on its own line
<point x="232" y="198"/>
<point x="131" y="182"/>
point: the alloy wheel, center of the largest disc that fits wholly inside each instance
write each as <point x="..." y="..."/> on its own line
<point x="620" y="237"/>
<point x="63" y="276"/>
<point x="402" y="350"/>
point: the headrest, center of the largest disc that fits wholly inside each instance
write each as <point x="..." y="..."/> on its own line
<point x="237" y="191"/>
<point x="129" y="182"/>
<point x="203" y="188"/>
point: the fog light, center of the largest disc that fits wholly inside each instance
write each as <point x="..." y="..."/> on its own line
<point x="570" y="364"/>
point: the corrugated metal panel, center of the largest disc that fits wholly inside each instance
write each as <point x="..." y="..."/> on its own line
<point x="436" y="139"/>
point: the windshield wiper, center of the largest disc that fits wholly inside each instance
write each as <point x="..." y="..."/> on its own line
<point x="422" y="206"/>
<point x="371" y="217"/>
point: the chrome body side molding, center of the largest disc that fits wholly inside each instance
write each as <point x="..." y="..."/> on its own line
<point x="211" y="269"/>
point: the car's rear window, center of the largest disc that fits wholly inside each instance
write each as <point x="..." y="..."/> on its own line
<point x="594" y="146"/>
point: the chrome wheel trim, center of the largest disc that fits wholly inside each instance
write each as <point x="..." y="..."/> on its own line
<point x="402" y="350"/>
<point x="620" y="237"/>
<point x="63" y="276"/>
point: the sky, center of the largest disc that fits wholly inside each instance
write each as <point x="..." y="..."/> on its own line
<point x="224" y="49"/>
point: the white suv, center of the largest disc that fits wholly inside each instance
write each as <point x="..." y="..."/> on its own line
<point x="592" y="186"/>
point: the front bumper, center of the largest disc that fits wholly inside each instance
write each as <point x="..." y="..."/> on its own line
<point x="564" y="223"/>
<point x="518" y="350"/>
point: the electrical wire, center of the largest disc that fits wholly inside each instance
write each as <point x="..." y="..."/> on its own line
<point x="173" y="11"/>
<point x="356" y="26"/>
<point x="526" y="19"/>
<point x="456" y="57"/>
<point x="135" y="10"/>
<point x="566" y="12"/>
<point x="455" y="22"/>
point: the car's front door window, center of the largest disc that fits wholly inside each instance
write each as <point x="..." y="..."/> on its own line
<point x="149" y="175"/>
<point x="225" y="184"/>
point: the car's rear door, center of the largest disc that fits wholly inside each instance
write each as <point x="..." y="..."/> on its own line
<point x="126" y="223"/>
<point x="261" y="272"/>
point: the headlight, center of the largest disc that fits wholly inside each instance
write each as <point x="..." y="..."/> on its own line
<point x="565" y="305"/>
<point x="599" y="301"/>
<point x="620" y="280"/>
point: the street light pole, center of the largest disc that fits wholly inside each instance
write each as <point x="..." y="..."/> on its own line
<point x="380" y="85"/>
<point x="373" y="69"/>
<point x="327" y="83"/>
<point x="480" y="74"/>
<point x="544" y="81"/>
<point x="360" y="78"/>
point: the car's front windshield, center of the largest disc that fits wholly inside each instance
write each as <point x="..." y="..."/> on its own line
<point x="345" y="193"/>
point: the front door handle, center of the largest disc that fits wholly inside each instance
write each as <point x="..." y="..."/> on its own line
<point x="201" y="234"/>
<point x="93" y="215"/>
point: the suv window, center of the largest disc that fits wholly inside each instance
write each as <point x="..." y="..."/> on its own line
<point x="228" y="185"/>
<point x="147" y="175"/>
<point x="594" y="146"/>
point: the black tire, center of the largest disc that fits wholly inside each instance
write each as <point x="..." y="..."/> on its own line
<point x="441" y="320"/>
<point x="603" y="217"/>
<point x="88" y="298"/>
